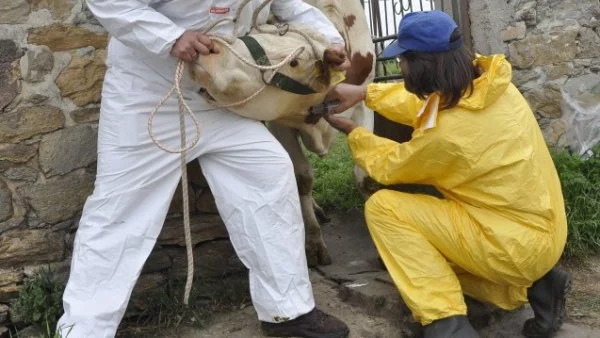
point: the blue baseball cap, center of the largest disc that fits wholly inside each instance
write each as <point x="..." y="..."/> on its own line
<point x="426" y="32"/>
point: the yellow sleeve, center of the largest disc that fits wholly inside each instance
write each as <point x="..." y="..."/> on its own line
<point x="420" y="160"/>
<point x="394" y="102"/>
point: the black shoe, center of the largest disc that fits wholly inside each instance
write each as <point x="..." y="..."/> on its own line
<point x="451" y="327"/>
<point x="547" y="298"/>
<point x="315" y="324"/>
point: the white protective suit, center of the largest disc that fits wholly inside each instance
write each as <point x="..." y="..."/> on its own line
<point x="249" y="173"/>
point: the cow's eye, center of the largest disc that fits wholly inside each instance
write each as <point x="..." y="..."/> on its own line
<point x="294" y="63"/>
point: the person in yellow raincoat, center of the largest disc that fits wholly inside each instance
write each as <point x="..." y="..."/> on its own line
<point x="501" y="227"/>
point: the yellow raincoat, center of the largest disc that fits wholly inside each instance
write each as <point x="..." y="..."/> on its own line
<point x="502" y="222"/>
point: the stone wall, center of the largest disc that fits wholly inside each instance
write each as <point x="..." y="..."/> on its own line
<point x="51" y="69"/>
<point x="554" y="47"/>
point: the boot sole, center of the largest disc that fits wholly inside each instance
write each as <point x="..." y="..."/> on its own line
<point x="307" y="334"/>
<point x="559" y="303"/>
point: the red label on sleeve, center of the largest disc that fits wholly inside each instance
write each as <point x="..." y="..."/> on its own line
<point x="219" y="10"/>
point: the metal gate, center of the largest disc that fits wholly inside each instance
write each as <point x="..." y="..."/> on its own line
<point x="385" y="15"/>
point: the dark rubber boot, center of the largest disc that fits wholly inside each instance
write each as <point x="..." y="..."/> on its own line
<point x="451" y="327"/>
<point x="547" y="299"/>
<point x="315" y="324"/>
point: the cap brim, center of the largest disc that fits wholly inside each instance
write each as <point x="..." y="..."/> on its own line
<point x="393" y="50"/>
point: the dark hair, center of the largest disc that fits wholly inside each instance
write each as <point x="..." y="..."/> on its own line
<point x="450" y="74"/>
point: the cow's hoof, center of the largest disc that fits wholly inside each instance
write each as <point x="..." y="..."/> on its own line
<point x="320" y="213"/>
<point x="317" y="255"/>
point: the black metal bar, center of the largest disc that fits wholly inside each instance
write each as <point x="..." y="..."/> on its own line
<point x="385" y="15"/>
<point x="387" y="78"/>
<point x="384" y="38"/>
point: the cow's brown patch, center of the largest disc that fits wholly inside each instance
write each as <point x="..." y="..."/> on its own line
<point x="361" y="67"/>
<point x="349" y="20"/>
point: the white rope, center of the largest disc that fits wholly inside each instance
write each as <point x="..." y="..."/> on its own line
<point x="183" y="109"/>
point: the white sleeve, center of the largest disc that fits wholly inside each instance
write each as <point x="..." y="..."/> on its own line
<point x="136" y="24"/>
<point x="297" y="11"/>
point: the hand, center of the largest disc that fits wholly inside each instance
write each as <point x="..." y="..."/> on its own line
<point x="342" y="124"/>
<point x="348" y="95"/>
<point x="190" y="44"/>
<point x="337" y="49"/>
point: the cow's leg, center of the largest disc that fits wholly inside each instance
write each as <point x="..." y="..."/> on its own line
<point x="316" y="251"/>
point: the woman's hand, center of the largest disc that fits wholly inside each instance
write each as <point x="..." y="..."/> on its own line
<point x="345" y="125"/>
<point x="190" y="44"/>
<point x="337" y="56"/>
<point x="348" y="95"/>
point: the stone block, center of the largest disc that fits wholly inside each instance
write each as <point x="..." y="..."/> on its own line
<point x="22" y="247"/>
<point x="17" y="153"/>
<point x="203" y="228"/>
<point x="589" y="44"/>
<point x="82" y="80"/>
<point x="516" y="32"/>
<point x="68" y="149"/>
<point x="22" y="174"/>
<point x="36" y="63"/>
<point x="14" y="11"/>
<point x="545" y="101"/>
<point x="158" y="261"/>
<point x="62" y="37"/>
<point x="26" y="122"/>
<point x="59" y="198"/>
<point x="544" y="49"/>
<point x="9" y="85"/>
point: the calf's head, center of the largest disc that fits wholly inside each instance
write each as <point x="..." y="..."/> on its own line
<point x="226" y="78"/>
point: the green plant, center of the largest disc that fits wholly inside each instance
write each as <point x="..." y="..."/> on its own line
<point x="40" y="302"/>
<point x="580" y="180"/>
<point x="334" y="186"/>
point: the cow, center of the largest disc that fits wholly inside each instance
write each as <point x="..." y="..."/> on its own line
<point x="287" y="112"/>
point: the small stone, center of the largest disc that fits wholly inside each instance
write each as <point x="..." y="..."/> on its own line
<point x="4" y="332"/>
<point x="85" y="115"/>
<point x="59" y="198"/>
<point x="68" y="149"/>
<point x="514" y="32"/>
<point x="585" y="90"/>
<point x="29" y="121"/>
<point x="9" y="51"/>
<point x="3" y="315"/>
<point x="10" y="279"/>
<point x="22" y="174"/>
<point x="62" y="38"/>
<point x="529" y="16"/>
<point x="6" y="205"/>
<point x="82" y="80"/>
<point x="558" y="129"/>
<point x="21" y="247"/>
<point x="36" y="63"/>
<point x="13" y="11"/>
<point x="203" y="228"/>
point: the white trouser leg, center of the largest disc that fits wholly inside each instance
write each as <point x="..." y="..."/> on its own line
<point x="252" y="179"/>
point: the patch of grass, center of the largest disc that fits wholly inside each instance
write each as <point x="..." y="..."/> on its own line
<point x="334" y="186"/>
<point x="40" y="302"/>
<point x="208" y="297"/>
<point x="580" y="180"/>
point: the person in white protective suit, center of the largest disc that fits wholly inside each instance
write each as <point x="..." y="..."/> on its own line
<point x="249" y="173"/>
